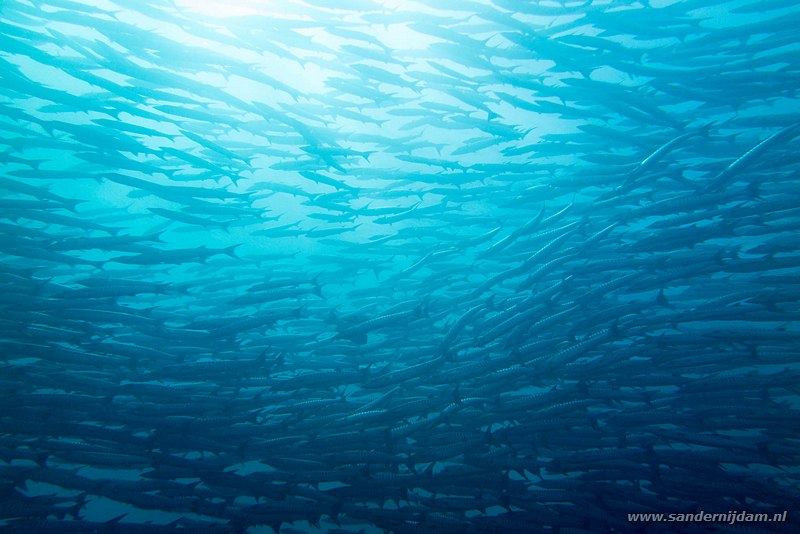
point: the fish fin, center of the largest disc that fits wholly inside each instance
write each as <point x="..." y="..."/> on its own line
<point x="359" y="338"/>
<point x="317" y="290"/>
<point x="661" y="300"/>
<point x="113" y="521"/>
<point x="230" y="251"/>
<point x="703" y="131"/>
<point x="41" y="459"/>
<point x="76" y="508"/>
<point x="753" y="190"/>
<point x="422" y="309"/>
<point x="614" y="330"/>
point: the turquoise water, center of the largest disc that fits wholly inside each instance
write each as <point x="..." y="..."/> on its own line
<point x="398" y="266"/>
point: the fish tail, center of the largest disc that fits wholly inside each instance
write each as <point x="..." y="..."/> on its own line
<point x="231" y="251"/>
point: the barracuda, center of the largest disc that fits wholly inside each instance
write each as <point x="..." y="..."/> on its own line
<point x="584" y="306"/>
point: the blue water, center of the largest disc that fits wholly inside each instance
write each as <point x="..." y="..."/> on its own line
<point x="485" y="266"/>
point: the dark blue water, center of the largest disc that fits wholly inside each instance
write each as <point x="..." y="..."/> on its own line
<point x="485" y="266"/>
